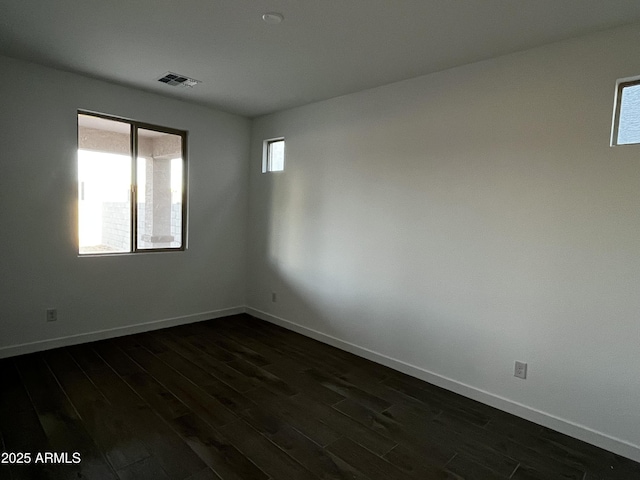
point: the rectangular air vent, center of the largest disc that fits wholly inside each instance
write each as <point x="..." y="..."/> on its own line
<point x="175" y="79"/>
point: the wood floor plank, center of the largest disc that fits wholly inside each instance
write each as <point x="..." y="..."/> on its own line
<point x="338" y="362"/>
<point x="205" y="474"/>
<point x="211" y="447"/>
<point x="343" y="425"/>
<point x="87" y="358"/>
<point x="541" y="446"/>
<point x="277" y="339"/>
<point x="393" y="429"/>
<point x="21" y="428"/>
<point x="110" y="430"/>
<point x="13" y="395"/>
<point x="308" y="354"/>
<point x="315" y="458"/>
<point x="449" y="404"/>
<point x="262" y="377"/>
<point x="527" y="473"/>
<point x="250" y="375"/>
<point x="113" y="355"/>
<point x="209" y="349"/>
<point x="155" y="394"/>
<point x="216" y="450"/>
<point x="348" y="390"/>
<point x="343" y="367"/>
<point x="207" y="356"/>
<point x="265" y="453"/>
<point x="598" y="461"/>
<point x="230" y="398"/>
<point x="239" y="398"/>
<point x="363" y="460"/>
<point x="396" y="397"/>
<point x="147" y="340"/>
<point x="23" y="433"/>
<point x="547" y="464"/>
<point x="145" y="468"/>
<point x="240" y="336"/>
<point x="170" y="453"/>
<point x="199" y="401"/>
<point x="61" y="423"/>
<point x="264" y="420"/>
<point x="422" y="461"/>
<point x="236" y="349"/>
<point x="610" y="476"/>
<point x="5" y="470"/>
<point x="289" y="411"/>
<point x="108" y="382"/>
<point x="438" y="432"/>
<point x="246" y="364"/>
<point x="470" y="470"/>
<point x="183" y="363"/>
<point x="288" y="371"/>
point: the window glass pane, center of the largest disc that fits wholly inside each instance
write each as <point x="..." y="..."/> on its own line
<point x="159" y="186"/>
<point x="629" y="121"/>
<point x="104" y="183"/>
<point x="276" y="156"/>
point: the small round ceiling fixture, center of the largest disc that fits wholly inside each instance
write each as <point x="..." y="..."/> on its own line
<point x="272" y="18"/>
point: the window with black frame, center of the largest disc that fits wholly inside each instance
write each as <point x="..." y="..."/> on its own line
<point x="626" y="122"/>
<point x="131" y="186"/>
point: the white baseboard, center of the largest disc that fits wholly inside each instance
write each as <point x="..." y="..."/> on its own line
<point x="38" y="346"/>
<point x="572" y="429"/>
<point x="581" y="432"/>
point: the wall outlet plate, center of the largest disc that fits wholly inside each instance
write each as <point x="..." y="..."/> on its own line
<point x="520" y="370"/>
<point x="52" y="315"/>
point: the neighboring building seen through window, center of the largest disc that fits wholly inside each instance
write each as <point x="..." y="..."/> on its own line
<point x="127" y="205"/>
<point x="626" y="128"/>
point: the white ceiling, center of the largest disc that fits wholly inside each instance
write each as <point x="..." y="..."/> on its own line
<point x="322" y="49"/>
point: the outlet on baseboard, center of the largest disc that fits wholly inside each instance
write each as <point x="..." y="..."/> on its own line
<point x="520" y="370"/>
<point x="52" y="314"/>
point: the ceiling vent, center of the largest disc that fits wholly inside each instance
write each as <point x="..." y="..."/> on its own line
<point x="175" y="79"/>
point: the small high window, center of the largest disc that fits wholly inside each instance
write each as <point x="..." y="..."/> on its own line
<point x="131" y="186"/>
<point x="626" y="124"/>
<point x="273" y="155"/>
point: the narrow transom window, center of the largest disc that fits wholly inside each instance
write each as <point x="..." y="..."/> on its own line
<point x="626" y="125"/>
<point x="131" y="186"/>
<point x="273" y="155"/>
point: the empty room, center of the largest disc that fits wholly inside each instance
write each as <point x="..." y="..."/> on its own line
<point x="364" y="239"/>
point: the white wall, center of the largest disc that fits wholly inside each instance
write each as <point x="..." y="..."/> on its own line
<point x="454" y="223"/>
<point x="39" y="263"/>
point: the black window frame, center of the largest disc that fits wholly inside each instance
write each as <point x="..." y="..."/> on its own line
<point x="134" y="126"/>
<point x="615" y="130"/>
<point x="266" y="156"/>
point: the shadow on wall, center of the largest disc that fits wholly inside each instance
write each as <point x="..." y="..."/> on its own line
<point x="328" y="279"/>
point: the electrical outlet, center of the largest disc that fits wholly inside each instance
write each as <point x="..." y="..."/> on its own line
<point x="52" y="315"/>
<point x="274" y="297"/>
<point x="520" y="370"/>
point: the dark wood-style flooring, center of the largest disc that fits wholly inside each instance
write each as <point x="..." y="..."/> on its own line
<point x="241" y="399"/>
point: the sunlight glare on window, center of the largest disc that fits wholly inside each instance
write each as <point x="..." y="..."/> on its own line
<point x="104" y="180"/>
<point x="104" y="184"/>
